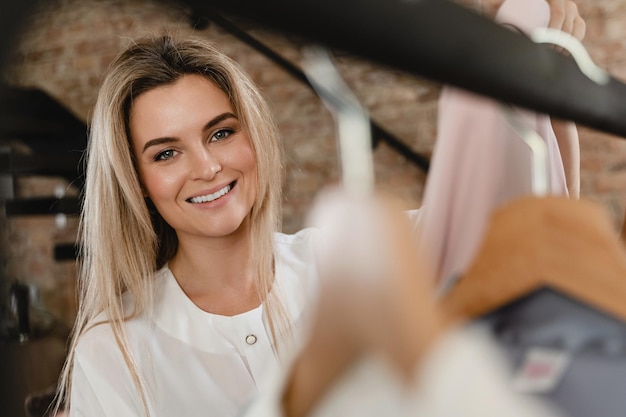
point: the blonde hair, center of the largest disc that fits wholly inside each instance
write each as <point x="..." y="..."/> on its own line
<point x="123" y="241"/>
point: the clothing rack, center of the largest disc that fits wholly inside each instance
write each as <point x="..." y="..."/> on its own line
<point x="447" y="43"/>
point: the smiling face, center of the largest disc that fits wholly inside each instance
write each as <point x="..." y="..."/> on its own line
<point x="194" y="160"/>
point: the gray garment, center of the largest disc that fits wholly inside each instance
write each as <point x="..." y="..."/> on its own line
<point x="594" y="381"/>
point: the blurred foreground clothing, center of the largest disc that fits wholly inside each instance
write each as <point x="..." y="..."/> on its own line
<point x="464" y="375"/>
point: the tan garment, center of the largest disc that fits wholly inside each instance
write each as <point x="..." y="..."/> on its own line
<point x="567" y="245"/>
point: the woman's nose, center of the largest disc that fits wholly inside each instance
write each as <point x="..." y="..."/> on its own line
<point x="206" y="165"/>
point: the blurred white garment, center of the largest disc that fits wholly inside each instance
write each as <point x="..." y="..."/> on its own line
<point x="464" y="375"/>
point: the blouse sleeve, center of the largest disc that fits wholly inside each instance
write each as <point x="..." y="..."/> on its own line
<point x="84" y="400"/>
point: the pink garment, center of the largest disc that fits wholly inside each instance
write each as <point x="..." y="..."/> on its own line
<point x="472" y="171"/>
<point x="525" y="15"/>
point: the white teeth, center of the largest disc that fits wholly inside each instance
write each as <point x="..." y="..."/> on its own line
<point x="211" y="197"/>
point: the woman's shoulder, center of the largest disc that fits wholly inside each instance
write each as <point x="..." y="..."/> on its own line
<point x="297" y="245"/>
<point x="304" y="235"/>
<point x="99" y="336"/>
<point x="97" y="346"/>
<point x="302" y="240"/>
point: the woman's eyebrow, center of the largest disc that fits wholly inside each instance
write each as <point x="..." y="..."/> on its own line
<point x="157" y="141"/>
<point x="218" y="119"/>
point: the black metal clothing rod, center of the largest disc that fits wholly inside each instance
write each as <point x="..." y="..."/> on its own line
<point x="447" y="43"/>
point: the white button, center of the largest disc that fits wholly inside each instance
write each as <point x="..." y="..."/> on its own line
<point x="250" y="339"/>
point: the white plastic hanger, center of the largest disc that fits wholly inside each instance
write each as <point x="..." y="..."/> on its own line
<point x="539" y="164"/>
<point x="576" y="50"/>
<point x="352" y="121"/>
<point x="540" y="174"/>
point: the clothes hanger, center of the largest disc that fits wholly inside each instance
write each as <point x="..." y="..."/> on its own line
<point x="539" y="164"/>
<point x="352" y="122"/>
<point x="576" y="50"/>
<point x="535" y="242"/>
<point x="536" y="147"/>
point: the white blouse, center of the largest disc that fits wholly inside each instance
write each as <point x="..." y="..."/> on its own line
<point x="194" y="363"/>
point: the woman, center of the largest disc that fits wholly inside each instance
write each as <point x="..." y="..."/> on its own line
<point x="188" y="294"/>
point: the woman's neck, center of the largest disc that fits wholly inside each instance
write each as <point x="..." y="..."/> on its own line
<point x="218" y="275"/>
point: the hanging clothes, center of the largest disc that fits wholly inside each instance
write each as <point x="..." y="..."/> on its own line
<point x="563" y="350"/>
<point x="473" y="169"/>
<point x="548" y="284"/>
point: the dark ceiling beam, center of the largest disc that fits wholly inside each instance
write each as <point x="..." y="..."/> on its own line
<point x="63" y="165"/>
<point x="66" y="252"/>
<point x="33" y="117"/>
<point x="42" y="206"/>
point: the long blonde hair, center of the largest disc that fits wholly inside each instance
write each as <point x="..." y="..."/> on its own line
<point x="122" y="240"/>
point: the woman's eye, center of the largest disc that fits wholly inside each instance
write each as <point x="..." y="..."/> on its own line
<point x="221" y="135"/>
<point x="164" y="155"/>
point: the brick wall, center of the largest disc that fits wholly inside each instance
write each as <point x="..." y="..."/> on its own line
<point x="67" y="44"/>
